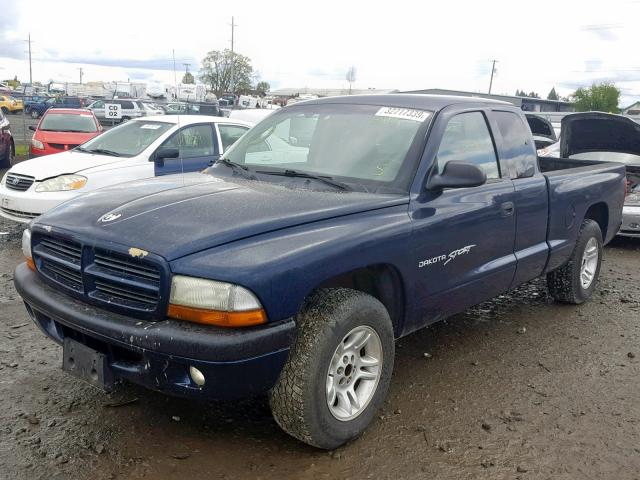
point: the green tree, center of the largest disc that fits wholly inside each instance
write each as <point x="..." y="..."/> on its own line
<point x="15" y="83"/>
<point x="262" y="88"/>
<point x="188" y="78"/>
<point x="603" y="97"/>
<point x="553" y="95"/>
<point x="217" y="68"/>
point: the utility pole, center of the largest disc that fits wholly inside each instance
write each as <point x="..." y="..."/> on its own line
<point x="80" y="70"/>
<point x="233" y="59"/>
<point x="30" y="74"/>
<point x="493" y="69"/>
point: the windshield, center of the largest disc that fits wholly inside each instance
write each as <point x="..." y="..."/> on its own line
<point x="68" y="122"/>
<point x="128" y="139"/>
<point x="362" y="144"/>
<point x="626" y="158"/>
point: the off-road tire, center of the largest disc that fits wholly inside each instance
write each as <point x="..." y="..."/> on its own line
<point x="298" y="400"/>
<point x="564" y="283"/>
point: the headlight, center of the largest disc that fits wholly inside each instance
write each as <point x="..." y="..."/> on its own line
<point x="215" y="303"/>
<point x="62" y="183"/>
<point x="26" y="248"/>
<point x="37" y="144"/>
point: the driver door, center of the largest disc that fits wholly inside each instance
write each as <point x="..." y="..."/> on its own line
<point x="463" y="238"/>
<point x="197" y="146"/>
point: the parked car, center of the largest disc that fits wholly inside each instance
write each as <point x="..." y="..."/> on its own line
<point x="593" y="136"/>
<point x="62" y="129"/>
<point x="151" y="108"/>
<point x="142" y="148"/>
<point x="292" y="271"/>
<point x="37" y="109"/>
<point x="9" y="104"/>
<point x="129" y="109"/>
<point x="7" y="145"/>
<point x="542" y="130"/>
<point x="29" y="100"/>
<point x="183" y="108"/>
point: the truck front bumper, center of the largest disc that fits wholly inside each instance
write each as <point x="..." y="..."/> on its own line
<point x="235" y="363"/>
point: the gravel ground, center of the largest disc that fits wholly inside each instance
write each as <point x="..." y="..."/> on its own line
<point x="518" y="387"/>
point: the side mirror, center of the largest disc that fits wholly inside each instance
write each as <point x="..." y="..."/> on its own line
<point x="457" y="175"/>
<point x="165" y="153"/>
<point x="32" y="128"/>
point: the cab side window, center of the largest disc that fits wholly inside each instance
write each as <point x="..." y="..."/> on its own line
<point x="194" y="141"/>
<point x="517" y="147"/>
<point x="467" y="139"/>
<point x="229" y="134"/>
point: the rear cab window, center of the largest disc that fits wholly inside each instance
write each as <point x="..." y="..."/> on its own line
<point x="516" y="149"/>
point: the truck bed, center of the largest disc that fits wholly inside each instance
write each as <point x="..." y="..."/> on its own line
<point x="572" y="186"/>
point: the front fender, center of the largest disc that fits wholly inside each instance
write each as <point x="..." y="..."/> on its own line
<point x="283" y="267"/>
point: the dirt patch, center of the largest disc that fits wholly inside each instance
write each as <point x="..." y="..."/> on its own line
<point x="519" y="387"/>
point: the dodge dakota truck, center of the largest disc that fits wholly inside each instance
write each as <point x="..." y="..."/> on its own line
<point x="290" y="266"/>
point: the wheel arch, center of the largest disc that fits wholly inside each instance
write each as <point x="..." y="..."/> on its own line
<point x="599" y="213"/>
<point x="382" y="281"/>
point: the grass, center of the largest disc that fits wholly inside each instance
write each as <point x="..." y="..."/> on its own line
<point x="22" y="150"/>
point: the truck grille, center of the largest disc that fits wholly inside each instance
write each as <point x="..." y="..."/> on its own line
<point x="18" y="182"/>
<point x="111" y="279"/>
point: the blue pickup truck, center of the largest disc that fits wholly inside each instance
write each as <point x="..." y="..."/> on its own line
<point x="290" y="266"/>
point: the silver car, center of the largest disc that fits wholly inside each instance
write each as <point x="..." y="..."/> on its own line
<point x="129" y="109"/>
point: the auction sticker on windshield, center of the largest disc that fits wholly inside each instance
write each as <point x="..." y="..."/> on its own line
<point x="403" y="113"/>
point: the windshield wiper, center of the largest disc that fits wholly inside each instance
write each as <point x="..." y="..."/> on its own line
<point x="102" y="151"/>
<point x="237" y="167"/>
<point x="294" y="173"/>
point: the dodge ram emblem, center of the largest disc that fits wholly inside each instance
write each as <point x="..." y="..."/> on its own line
<point x="110" y="217"/>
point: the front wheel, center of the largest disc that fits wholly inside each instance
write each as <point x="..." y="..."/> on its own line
<point x="339" y="368"/>
<point x="576" y="280"/>
<point x="34" y="114"/>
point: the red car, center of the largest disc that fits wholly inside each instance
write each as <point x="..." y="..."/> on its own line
<point x="62" y="129"/>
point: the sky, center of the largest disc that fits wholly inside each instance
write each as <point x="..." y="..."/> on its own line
<point x="397" y="45"/>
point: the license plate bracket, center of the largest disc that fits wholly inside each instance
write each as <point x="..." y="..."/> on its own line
<point x="87" y="364"/>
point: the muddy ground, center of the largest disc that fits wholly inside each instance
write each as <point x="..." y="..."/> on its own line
<point x="517" y="388"/>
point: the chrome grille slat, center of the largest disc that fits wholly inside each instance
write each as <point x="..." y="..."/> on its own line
<point x="18" y="182"/>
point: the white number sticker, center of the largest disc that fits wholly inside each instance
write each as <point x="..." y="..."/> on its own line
<point x="404" y="113"/>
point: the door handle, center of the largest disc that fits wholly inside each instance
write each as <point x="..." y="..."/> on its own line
<point x="507" y="209"/>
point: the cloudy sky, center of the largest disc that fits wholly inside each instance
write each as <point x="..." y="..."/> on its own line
<point x="400" y="44"/>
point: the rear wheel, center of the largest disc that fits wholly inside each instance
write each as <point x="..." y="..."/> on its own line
<point x="576" y="280"/>
<point x="5" y="110"/>
<point x="338" y="370"/>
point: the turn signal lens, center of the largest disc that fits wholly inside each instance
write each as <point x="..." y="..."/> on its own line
<point x="221" y="319"/>
<point x="214" y="303"/>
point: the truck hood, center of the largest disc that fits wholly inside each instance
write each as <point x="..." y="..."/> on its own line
<point x="541" y="127"/>
<point x="598" y="132"/>
<point x="177" y="215"/>
<point x="50" y="166"/>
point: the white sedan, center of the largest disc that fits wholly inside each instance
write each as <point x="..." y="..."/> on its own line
<point x="141" y="148"/>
